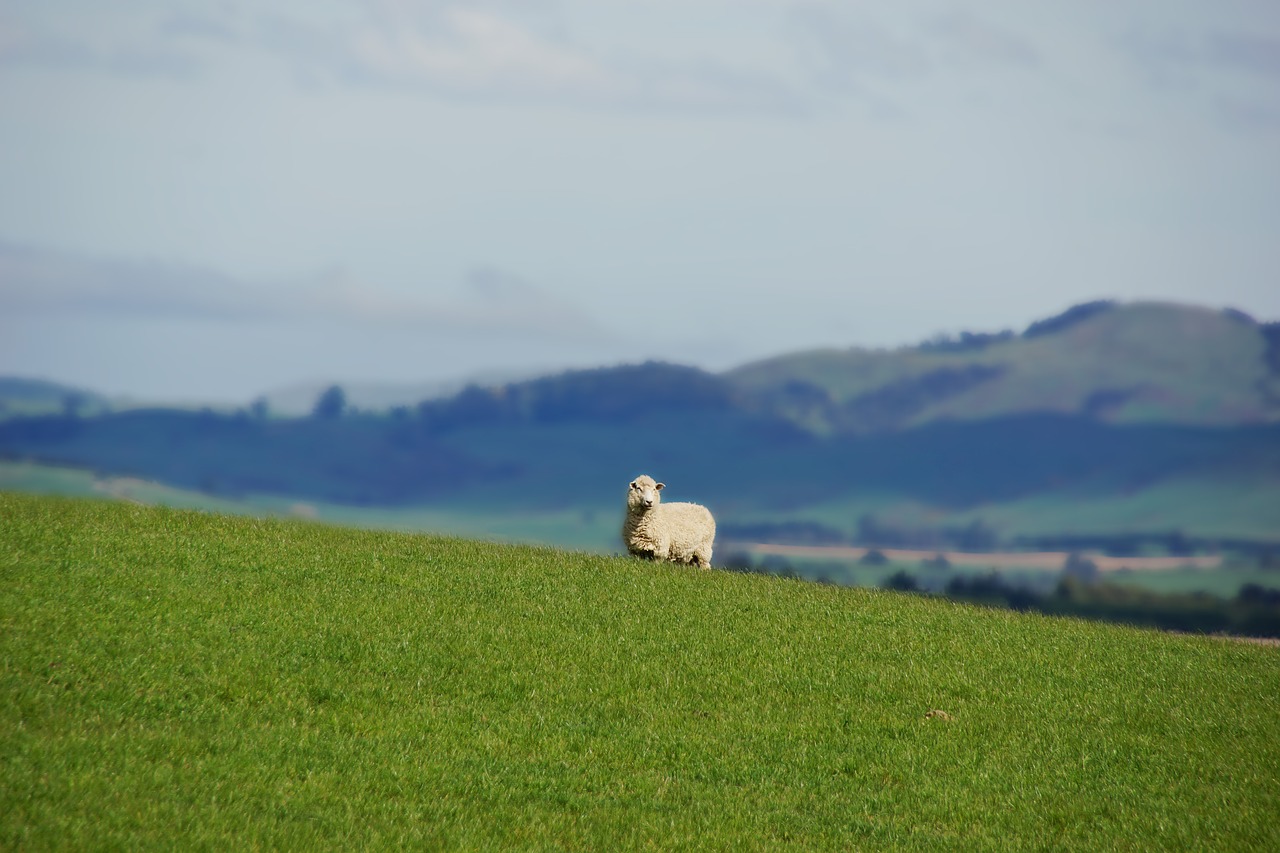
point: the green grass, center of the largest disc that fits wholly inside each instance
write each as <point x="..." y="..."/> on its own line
<point x="577" y="528"/>
<point x="1245" y="507"/>
<point x="1143" y="347"/>
<point x="173" y="678"/>
<point x="37" y="478"/>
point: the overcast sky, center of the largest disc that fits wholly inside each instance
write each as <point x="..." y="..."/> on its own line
<point x="205" y="201"/>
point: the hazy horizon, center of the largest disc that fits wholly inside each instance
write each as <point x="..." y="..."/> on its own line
<point x="208" y="202"/>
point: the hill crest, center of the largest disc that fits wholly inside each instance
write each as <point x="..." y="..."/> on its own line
<point x="1145" y="362"/>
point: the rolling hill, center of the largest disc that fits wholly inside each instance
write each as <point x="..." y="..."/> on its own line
<point x="201" y="681"/>
<point x="21" y="397"/>
<point x="1119" y="364"/>
<point x="1147" y="419"/>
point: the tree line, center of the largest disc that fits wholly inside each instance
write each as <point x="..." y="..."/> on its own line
<point x="1078" y="592"/>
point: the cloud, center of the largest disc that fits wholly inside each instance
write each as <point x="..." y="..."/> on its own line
<point x="481" y="51"/>
<point x="474" y="50"/>
<point x="1247" y="115"/>
<point x="40" y="282"/>
<point x="966" y="40"/>
<point x="491" y="302"/>
<point x="204" y="25"/>
<point x="498" y="52"/>
<point x="26" y="47"/>
<point x="848" y="48"/>
<point x="852" y="53"/>
<point x="1233" y="74"/>
<point x="1246" y="52"/>
<point x="1175" y="54"/>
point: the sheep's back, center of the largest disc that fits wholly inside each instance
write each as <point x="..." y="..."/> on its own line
<point x="686" y="522"/>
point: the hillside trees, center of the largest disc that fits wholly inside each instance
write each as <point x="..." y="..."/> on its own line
<point x="604" y="395"/>
<point x="1073" y="315"/>
<point x="330" y="404"/>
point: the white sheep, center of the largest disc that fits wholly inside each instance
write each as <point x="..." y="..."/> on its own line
<point x="674" y="532"/>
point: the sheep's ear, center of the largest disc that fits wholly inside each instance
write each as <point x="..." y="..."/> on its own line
<point x="633" y="484"/>
<point x="660" y="486"/>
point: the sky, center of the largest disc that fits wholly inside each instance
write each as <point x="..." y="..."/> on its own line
<point x="208" y="201"/>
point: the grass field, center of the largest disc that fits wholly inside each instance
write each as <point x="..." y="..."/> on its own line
<point x="572" y="528"/>
<point x="174" y="678"/>
<point x="1033" y="571"/>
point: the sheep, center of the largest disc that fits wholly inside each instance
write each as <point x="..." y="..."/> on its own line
<point x="675" y="532"/>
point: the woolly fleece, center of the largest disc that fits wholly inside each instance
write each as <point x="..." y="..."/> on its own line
<point x="674" y="532"/>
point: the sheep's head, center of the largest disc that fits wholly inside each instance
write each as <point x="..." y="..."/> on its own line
<point x="644" y="493"/>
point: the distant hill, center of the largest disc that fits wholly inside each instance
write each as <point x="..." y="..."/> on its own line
<point x="20" y="397"/>
<point x="1169" y="413"/>
<point x="299" y="400"/>
<point x="1145" y="362"/>
<point x="1136" y="363"/>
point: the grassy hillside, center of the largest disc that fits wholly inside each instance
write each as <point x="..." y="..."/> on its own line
<point x="1134" y="363"/>
<point x="176" y="678"/>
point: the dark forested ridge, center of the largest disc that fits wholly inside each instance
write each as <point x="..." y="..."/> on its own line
<point x="358" y="460"/>
<point x="507" y="447"/>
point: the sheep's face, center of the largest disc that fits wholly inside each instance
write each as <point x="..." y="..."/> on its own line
<point x="643" y="493"/>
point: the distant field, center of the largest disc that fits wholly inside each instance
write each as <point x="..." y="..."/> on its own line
<point x="596" y="530"/>
<point x="193" y="680"/>
<point x="816" y="564"/>
<point x="1246" y="507"/>
<point x="1041" y="560"/>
